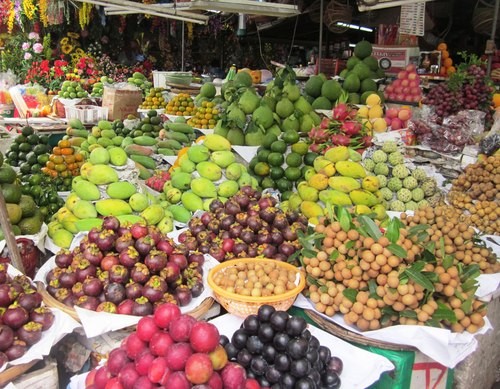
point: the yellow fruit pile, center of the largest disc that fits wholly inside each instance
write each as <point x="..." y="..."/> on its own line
<point x="372" y="114"/>
<point x="204" y="117"/>
<point x="154" y="99"/>
<point x="181" y="105"/>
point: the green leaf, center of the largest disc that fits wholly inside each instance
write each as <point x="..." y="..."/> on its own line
<point x="414" y="230"/>
<point x="313" y="281"/>
<point x="428" y="256"/>
<point x="397" y="250"/>
<point x="330" y="212"/>
<point x="467" y="306"/>
<point x="308" y="253"/>
<point x="421" y="237"/>
<point x="372" y="288"/>
<point x="350" y="294"/>
<point x="344" y="219"/>
<point x="419" y="278"/>
<point x="334" y="255"/>
<point x="408" y="313"/>
<point x="447" y="262"/>
<point x="432" y="323"/>
<point x="441" y="247"/>
<point x="471" y="271"/>
<point x="369" y="225"/>
<point x="392" y="231"/>
<point x="432" y="277"/>
<point x="470" y="284"/>
<point x="349" y="245"/>
<point x="444" y="313"/>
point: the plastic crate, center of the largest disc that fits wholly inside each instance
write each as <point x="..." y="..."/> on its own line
<point x="88" y="114"/>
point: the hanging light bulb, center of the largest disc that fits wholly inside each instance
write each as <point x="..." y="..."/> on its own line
<point x="242" y="25"/>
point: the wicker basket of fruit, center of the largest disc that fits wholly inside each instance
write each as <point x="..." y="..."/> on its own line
<point x="241" y="286"/>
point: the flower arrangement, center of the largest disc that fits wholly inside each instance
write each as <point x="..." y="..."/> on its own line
<point x="69" y="43"/>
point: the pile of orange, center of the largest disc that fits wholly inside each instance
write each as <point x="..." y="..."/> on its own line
<point x="447" y="67"/>
<point x="180" y="105"/>
<point x="64" y="161"/>
<point x="205" y="116"/>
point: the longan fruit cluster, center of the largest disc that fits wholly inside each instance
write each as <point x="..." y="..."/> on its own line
<point x="452" y="226"/>
<point x="256" y="280"/>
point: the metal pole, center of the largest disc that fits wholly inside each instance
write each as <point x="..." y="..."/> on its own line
<point x="182" y="47"/>
<point x="320" y="48"/>
<point x="493" y="34"/>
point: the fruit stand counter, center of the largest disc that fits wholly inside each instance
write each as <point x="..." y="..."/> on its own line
<point x="45" y="125"/>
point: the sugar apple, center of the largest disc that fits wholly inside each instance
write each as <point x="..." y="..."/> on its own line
<point x="381" y="168"/>
<point x="404" y="195"/>
<point x="390" y="146"/>
<point x="395" y="184"/>
<point x="417" y="194"/>
<point x="397" y="206"/>
<point x="386" y="193"/>
<point x="423" y="203"/>
<point x="369" y="164"/>
<point x="411" y="206"/>
<point x="395" y="158"/>
<point x="419" y="174"/>
<point x="379" y="156"/>
<point x="410" y="183"/>
<point x="400" y="171"/>
<point x="382" y="181"/>
<point x="429" y="187"/>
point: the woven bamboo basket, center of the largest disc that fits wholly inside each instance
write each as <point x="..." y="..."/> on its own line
<point x="337" y="12"/>
<point x="351" y="336"/>
<point x="51" y="302"/>
<point x="10" y="374"/>
<point x="247" y="305"/>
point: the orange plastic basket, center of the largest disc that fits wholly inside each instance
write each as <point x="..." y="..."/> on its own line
<point x="243" y="306"/>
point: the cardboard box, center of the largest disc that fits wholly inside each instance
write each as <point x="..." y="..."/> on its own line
<point x="392" y="59"/>
<point x="121" y="102"/>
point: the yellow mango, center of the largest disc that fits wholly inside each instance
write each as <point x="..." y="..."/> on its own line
<point x="350" y="169"/>
<point x="362" y="210"/>
<point x="335" y="197"/>
<point x="311" y="209"/>
<point x="343" y="184"/>
<point x="380" y="211"/>
<point x="307" y="193"/>
<point x="370" y="183"/>
<point x="363" y="197"/>
<point x="337" y="153"/>
<point x="318" y="181"/>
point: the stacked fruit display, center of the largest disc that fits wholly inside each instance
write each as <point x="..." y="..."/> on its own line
<point x="279" y="162"/>
<point x="447" y="68"/>
<point x="372" y="113"/>
<point x="278" y="350"/>
<point x="23" y="316"/>
<point x="400" y="188"/>
<point x="44" y="191"/>
<point x="361" y="72"/>
<point x="397" y="118"/>
<point x="29" y="151"/>
<point x="378" y="280"/>
<point x="246" y="225"/>
<point x="23" y="213"/>
<point x="406" y="87"/>
<point x="98" y="87"/>
<point x="154" y="99"/>
<point x="205" y="116"/>
<point x="336" y="179"/>
<point x="99" y="192"/>
<point x="193" y="181"/>
<point x="180" y="105"/>
<point x="139" y="80"/>
<point x="475" y="192"/>
<point x="175" y="135"/>
<point x="76" y="132"/>
<point x="247" y="117"/>
<point x="322" y="93"/>
<point x="468" y="88"/>
<point x="64" y="161"/>
<point x="72" y="90"/>
<point x="127" y="270"/>
<point x="345" y="128"/>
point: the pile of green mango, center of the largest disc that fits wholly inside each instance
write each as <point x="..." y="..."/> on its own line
<point x="207" y="171"/>
<point x="98" y="192"/>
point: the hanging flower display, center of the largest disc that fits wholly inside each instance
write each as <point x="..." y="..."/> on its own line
<point x="29" y="9"/>
<point x="84" y="14"/>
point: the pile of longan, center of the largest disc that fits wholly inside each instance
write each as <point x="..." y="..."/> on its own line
<point x="477" y="191"/>
<point x="453" y="227"/>
<point x="349" y="261"/>
<point x="256" y="279"/>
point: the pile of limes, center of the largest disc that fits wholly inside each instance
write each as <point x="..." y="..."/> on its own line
<point x="154" y="99"/>
<point x="281" y="163"/>
<point x="205" y="116"/>
<point x="180" y="105"/>
<point x="72" y="90"/>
